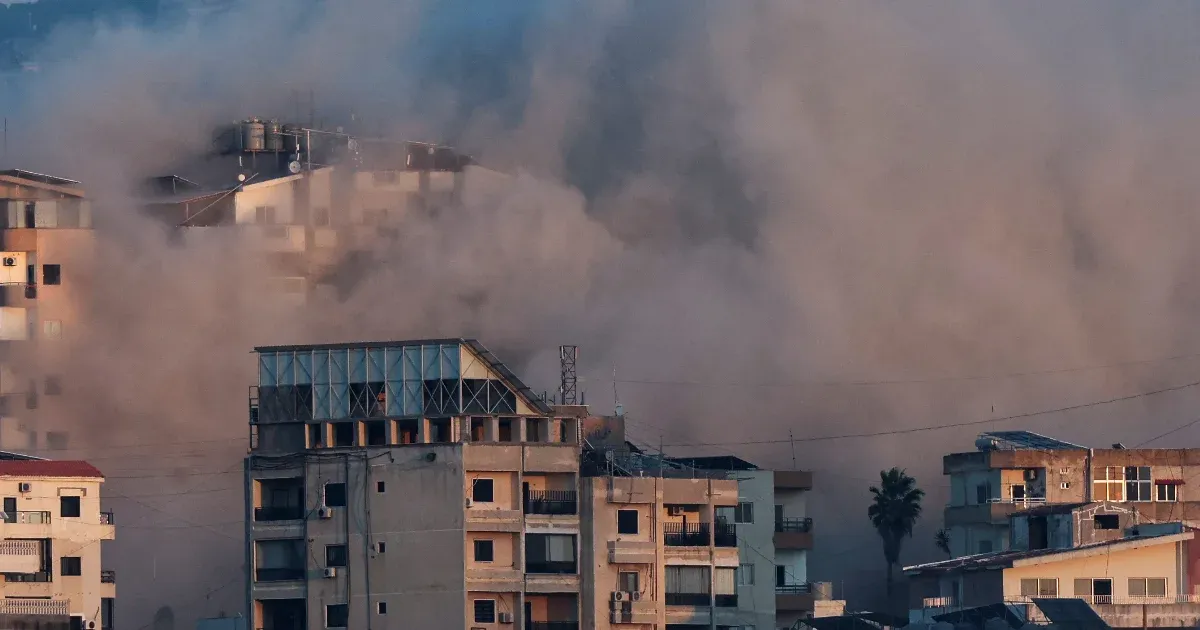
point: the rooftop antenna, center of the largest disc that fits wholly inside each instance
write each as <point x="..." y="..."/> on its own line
<point x="568" y="388"/>
<point x="618" y="408"/>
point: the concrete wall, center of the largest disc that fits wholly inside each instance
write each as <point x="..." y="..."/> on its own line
<point x="756" y="602"/>
<point x="1153" y="561"/>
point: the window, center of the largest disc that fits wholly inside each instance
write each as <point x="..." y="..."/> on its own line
<point x="1097" y="591"/>
<point x="744" y="513"/>
<point x="484" y="551"/>
<point x="1108" y="484"/>
<point x="68" y="507"/>
<point x="482" y="490"/>
<point x="337" y="615"/>
<point x="982" y="493"/>
<point x="266" y="214"/>
<point x="321" y="216"/>
<point x="52" y="329"/>
<point x="1039" y="587"/>
<point x="1106" y="521"/>
<point x="690" y="585"/>
<point x="1066" y="485"/>
<point x="1166" y="492"/>
<point x="627" y="521"/>
<point x="1064" y="471"/>
<point x="335" y="555"/>
<point x="1147" y="587"/>
<point x="780" y="575"/>
<point x="746" y="574"/>
<point x="53" y="385"/>
<point x="1137" y="483"/>
<point x="51" y="274"/>
<point x="380" y="487"/>
<point x="629" y="581"/>
<point x="380" y="547"/>
<point x="985" y="546"/>
<point x="550" y="554"/>
<point x="381" y="607"/>
<point x="335" y="495"/>
<point x="485" y="611"/>
<point x="71" y="565"/>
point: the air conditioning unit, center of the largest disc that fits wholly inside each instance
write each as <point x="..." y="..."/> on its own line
<point x="330" y="572"/>
<point x="675" y="510"/>
<point x="24" y="486"/>
<point x="9" y="261"/>
<point x="470" y="502"/>
<point x="1031" y="474"/>
<point x="635" y="596"/>
<point x="505" y="617"/>
<point x="325" y="512"/>
<point x="620" y="596"/>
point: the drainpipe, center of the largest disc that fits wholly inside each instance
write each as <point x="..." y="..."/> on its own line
<point x="1087" y="477"/>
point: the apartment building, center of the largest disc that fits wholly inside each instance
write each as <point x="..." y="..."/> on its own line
<point x="45" y="246"/>
<point x="409" y="484"/>
<point x="53" y="532"/>
<point x="1016" y="470"/>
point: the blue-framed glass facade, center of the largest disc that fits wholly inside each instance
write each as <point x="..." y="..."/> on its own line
<point x="420" y="380"/>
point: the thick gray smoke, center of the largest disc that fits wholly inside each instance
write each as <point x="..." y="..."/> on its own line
<point x="747" y="209"/>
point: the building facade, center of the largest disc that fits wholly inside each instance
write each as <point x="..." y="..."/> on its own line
<point x="53" y="532"/>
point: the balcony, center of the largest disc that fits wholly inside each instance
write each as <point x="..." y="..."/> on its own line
<point x="40" y="576"/>
<point x="551" y="502"/>
<point x="688" y="599"/>
<point x="106" y="518"/>
<point x="282" y="513"/>
<point x="278" y="575"/>
<point x="25" y="518"/>
<point x="725" y="535"/>
<point x="794" y="597"/>
<point x="793" y="480"/>
<point x="551" y="625"/>
<point x="685" y="534"/>
<point x="798" y="525"/>
<point x="108" y="576"/>
<point x="34" y="606"/>
<point x="550" y="568"/>
<point x="793" y="533"/>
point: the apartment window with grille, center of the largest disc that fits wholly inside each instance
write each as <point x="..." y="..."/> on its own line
<point x="482" y="490"/>
<point x="485" y="551"/>
<point x="1108" y="484"/>
<point x="51" y="274"/>
<point x="485" y="611"/>
<point x="1039" y="587"/>
<point x="337" y="615"/>
<point x="71" y="566"/>
<point x="1147" y="587"/>
<point x="335" y="555"/>
<point x="744" y="513"/>
<point x="1138" y="485"/>
<point x="335" y="495"/>
<point x="745" y="574"/>
<point x="627" y="521"/>
<point x="1166" y="492"/>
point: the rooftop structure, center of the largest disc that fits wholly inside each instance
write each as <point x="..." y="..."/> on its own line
<point x="1020" y="440"/>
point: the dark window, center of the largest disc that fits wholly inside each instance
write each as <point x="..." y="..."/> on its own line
<point x="108" y="607"/>
<point x="744" y="513"/>
<point x="484" y="551"/>
<point x="381" y="547"/>
<point x="482" y="490"/>
<point x="382" y="607"/>
<point x="53" y="385"/>
<point x="316" y="435"/>
<point x="627" y="521"/>
<point x="10" y="506"/>
<point x="780" y="575"/>
<point x="1137" y="483"/>
<point x="335" y="495"/>
<point x="982" y="493"/>
<point x="485" y="611"/>
<point x="335" y="555"/>
<point x="337" y="615"/>
<point x="985" y="546"/>
<point x="71" y="565"/>
<point x="1106" y="521"/>
<point x="51" y="274"/>
<point x="379" y="486"/>
<point x="68" y="507"/>
<point x="377" y="433"/>
<point x="343" y="434"/>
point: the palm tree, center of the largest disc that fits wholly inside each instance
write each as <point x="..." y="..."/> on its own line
<point x="942" y="540"/>
<point x="895" y="508"/>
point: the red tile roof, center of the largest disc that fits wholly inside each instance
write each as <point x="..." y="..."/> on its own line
<point x="47" y="468"/>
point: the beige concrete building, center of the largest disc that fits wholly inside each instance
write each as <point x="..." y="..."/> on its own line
<point x="409" y="485"/>
<point x="1016" y="470"/>
<point x="50" y="556"/>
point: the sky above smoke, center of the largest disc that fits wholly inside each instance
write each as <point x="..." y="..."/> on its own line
<point x="771" y="220"/>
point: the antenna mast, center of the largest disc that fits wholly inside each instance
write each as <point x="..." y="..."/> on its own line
<point x="568" y="388"/>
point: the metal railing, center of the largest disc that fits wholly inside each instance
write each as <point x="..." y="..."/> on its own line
<point x="283" y="513"/>
<point x="108" y="576"/>
<point x="551" y="568"/>
<point x="725" y="535"/>
<point x="793" y="589"/>
<point x="551" y="502"/>
<point x="1109" y="599"/>
<point x="938" y="602"/>
<point x="685" y="534"/>
<point x="551" y="625"/>
<point x="726" y="601"/>
<point x="41" y="576"/>
<point x="688" y="599"/>
<point x="106" y="518"/>
<point x="33" y="606"/>
<point x="800" y="525"/>
<point x="25" y="518"/>
<point x="278" y="575"/>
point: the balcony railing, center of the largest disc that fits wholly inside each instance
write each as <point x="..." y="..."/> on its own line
<point x="284" y="513"/>
<point x="726" y="601"/>
<point x="108" y="576"/>
<point x="685" y="534"/>
<point x="41" y="576"/>
<point x="688" y="599"/>
<point x="799" y="525"/>
<point x="725" y="535"/>
<point x="106" y="518"/>
<point x="793" y="589"/>
<point x="551" y="625"/>
<point x="1109" y="599"/>
<point x="938" y="602"/>
<point x="33" y="606"/>
<point x="278" y="575"/>
<point x="26" y="518"/>
<point x="551" y="568"/>
<point x="551" y="502"/>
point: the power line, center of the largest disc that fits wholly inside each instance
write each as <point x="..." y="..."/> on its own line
<point x="1171" y="432"/>
<point x="937" y="427"/>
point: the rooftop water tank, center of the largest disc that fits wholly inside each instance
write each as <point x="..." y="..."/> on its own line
<point x="253" y="135"/>
<point x="273" y="136"/>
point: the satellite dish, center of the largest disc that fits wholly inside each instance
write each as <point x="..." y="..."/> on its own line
<point x="352" y="144"/>
<point x="293" y="167"/>
<point x="241" y="177"/>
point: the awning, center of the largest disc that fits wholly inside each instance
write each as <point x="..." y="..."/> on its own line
<point x="1169" y="482"/>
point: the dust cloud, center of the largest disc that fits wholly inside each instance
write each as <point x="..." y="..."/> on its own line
<point x="770" y="220"/>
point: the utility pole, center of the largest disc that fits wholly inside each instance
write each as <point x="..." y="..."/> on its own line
<point x="793" y="442"/>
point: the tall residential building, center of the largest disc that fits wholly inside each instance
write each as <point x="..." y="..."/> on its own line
<point x="45" y="247"/>
<point x="412" y="484"/>
<point x="1016" y="470"/>
<point x="50" y="555"/>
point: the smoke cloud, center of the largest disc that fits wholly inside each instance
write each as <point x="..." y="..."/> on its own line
<point x="768" y="219"/>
